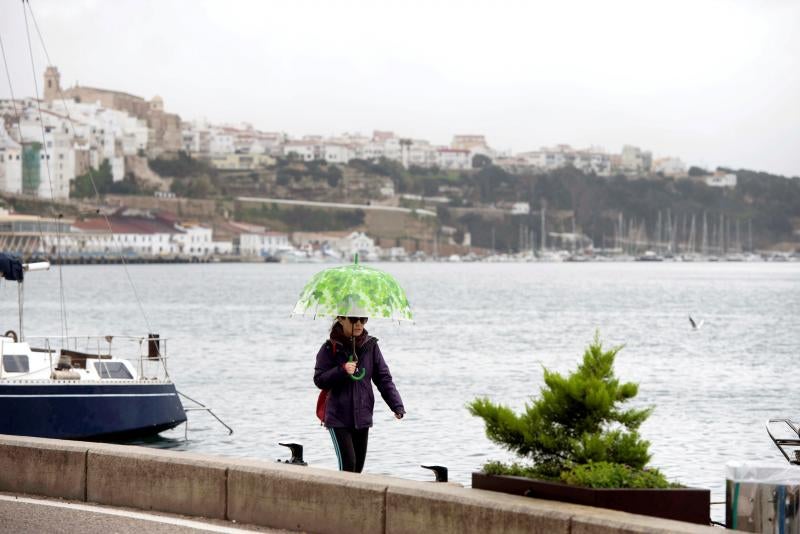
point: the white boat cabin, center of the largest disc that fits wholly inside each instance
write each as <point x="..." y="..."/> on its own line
<point x="21" y="362"/>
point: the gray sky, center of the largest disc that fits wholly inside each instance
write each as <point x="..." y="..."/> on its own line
<point x="713" y="82"/>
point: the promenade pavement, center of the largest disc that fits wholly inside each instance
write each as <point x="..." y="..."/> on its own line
<point x="27" y="515"/>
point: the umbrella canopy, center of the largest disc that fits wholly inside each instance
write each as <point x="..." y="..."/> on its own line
<point x="355" y="291"/>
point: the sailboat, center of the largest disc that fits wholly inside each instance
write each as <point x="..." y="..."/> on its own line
<point x="88" y="387"/>
<point x="77" y="387"/>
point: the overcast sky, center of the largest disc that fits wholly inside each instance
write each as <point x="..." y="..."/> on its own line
<point x="712" y="82"/>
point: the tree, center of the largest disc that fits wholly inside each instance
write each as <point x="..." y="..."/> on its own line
<point x="480" y="161"/>
<point x="82" y="185"/>
<point x="698" y="171"/>
<point x="334" y="175"/>
<point x="576" y="420"/>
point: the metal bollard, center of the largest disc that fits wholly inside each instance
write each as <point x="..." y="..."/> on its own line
<point x="439" y="470"/>
<point x="297" y="454"/>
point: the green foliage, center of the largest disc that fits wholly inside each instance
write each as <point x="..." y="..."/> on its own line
<point x="492" y="182"/>
<point x="194" y="187"/>
<point x="611" y="475"/>
<point x="591" y="475"/>
<point x="385" y="167"/>
<point x="290" y="169"/>
<point x="514" y="469"/>
<point x="480" y="161"/>
<point x="576" y="420"/>
<point x="192" y="178"/>
<point x="334" y="176"/>
<point x="82" y="186"/>
<point x="182" y="166"/>
<point x="698" y="171"/>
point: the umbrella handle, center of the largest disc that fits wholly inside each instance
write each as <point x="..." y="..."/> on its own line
<point x="357" y="376"/>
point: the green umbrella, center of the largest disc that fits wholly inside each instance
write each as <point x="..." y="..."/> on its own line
<point x="355" y="291"/>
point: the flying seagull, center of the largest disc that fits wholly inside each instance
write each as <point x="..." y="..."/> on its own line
<point x="696" y="326"/>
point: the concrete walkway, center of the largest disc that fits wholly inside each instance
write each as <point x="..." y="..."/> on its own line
<point x="26" y="515"/>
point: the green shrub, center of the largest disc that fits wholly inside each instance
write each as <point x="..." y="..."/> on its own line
<point x="576" y="431"/>
<point x="610" y="475"/>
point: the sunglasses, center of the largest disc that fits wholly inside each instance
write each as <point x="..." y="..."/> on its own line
<point x="354" y="320"/>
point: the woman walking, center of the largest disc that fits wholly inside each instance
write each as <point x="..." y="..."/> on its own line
<point x="346" y="365"/>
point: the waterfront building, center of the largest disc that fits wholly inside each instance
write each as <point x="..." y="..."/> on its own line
<point x="26" y="235"/>
<point x="336" y="244"/>
<point x="263" y="243"/>
<point x="135" y="233"/>
<point x="129" y="235"/>
<point x="357" y="242"/>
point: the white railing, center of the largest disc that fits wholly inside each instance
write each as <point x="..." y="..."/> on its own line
<point x="148" y="354"/>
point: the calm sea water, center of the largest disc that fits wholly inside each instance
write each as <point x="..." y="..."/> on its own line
<point x="481" y="330"/>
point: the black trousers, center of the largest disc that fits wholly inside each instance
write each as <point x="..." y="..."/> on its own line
<point x="350" y="445"/>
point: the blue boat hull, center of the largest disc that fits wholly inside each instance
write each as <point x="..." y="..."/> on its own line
<point x="89" y="411"/>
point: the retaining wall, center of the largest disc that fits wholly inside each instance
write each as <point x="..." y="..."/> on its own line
<point x="287" y="496"/>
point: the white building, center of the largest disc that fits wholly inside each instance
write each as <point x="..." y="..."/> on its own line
<point x="469" y="142"/>
<point x="546" y="159"/>
<point x="454" y="158"/>
<point x="520" y="208"/>
<point x="10" y="164"/>
<point x="303" y="150"/>
<point x="673" y="167"/>
<point x="635" y="160"/>
<point x="193" y="240"/>
<point x="264" y="243"/>
<point x="52" y="146"/>
<point x="146" y="236"/>
<point x="337" y="153"/>
<point x="196" y="138"/>
<point x="595" y="162"/>
<point x="221" y="142"/>
<point x="721" y="179"/>
<point x="356" y="242"/>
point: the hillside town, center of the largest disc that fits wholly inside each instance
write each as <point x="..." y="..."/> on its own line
<point x="47" y="144"/>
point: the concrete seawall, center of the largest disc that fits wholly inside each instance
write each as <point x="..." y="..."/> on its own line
<point x="289" y="497"/>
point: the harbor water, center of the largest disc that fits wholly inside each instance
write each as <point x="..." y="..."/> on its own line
<point x="481" y="330"/>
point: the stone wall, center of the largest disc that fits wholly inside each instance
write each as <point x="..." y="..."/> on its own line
<point x="289" y="497"/>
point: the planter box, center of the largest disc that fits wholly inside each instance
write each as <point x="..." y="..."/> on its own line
<point x="683" y="504"/>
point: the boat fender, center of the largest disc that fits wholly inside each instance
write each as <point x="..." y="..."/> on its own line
<point x="12" y="335"/>
<point x="65" y="375"/>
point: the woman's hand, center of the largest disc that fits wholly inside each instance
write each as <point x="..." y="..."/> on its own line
<point x="399" y="415"/>
<point x="350" y="367"/>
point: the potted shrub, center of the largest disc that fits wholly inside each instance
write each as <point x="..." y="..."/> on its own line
<point x="583" y="447"/>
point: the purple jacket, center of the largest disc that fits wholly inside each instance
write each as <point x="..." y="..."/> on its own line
<point x="351" y="402"/>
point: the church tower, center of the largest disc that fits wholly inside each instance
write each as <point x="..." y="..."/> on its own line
<point x="52" y="84"/>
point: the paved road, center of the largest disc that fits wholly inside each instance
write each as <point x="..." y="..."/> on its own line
<point x="25" y="515"/>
